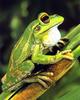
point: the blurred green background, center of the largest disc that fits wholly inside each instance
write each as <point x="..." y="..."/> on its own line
<point x="15" y="15"/>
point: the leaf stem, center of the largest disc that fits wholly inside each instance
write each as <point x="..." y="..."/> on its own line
<point x="73" y="32"/>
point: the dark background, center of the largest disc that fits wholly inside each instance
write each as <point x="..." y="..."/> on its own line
<point x="15" y="15"/>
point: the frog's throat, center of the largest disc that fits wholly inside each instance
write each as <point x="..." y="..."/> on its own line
<point x="53" y="37"/>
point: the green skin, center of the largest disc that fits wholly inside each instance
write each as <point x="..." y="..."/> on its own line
<point x="31" y="44"/>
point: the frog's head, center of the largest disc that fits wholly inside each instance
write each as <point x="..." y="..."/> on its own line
<point x="45" y="28"/>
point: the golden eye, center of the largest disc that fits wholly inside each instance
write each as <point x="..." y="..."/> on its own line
<point x="37" y="28"/>
<point x="45" y="18"/>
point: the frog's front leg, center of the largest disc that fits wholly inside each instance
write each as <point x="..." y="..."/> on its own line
<point x="39" y="57"/>
<point x="62" y="42"/>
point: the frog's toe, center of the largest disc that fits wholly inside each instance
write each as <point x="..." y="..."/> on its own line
<point x="47" y="73"/>
<point x="62" y="42"/>
<point x="66" y="51"/>
<point x="65" y="39"/>
<point x="68" y="57"/>
<point x="44" y="84"/>
<point x="44" y="79"/>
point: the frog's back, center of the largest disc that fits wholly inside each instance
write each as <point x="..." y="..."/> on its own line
<point x="22" y="49"/>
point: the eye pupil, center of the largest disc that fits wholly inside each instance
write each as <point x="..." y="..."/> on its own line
<point x="45" y="19"/>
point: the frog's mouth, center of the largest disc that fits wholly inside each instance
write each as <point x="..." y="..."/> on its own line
<point x="53" y="37"/>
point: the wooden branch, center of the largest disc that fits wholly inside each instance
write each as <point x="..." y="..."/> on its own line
<point x="73" y="32"/>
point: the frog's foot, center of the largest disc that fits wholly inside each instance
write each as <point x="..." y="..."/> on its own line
<point x="65" y="51"/>
<point x="65" y="39"/>
<point x="62" y="42"/>
<point x="67" y="54"/>
<point x="43" y="78"/>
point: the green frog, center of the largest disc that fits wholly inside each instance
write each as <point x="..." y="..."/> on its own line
<point x="39" y="36"/>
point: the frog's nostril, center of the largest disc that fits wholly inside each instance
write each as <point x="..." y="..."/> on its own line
<point x="55" y="15"/>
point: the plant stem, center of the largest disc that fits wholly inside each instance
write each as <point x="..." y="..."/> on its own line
<point x="73" y="42"/>
<point x="76" y="52"/>
<point x="73" y="32"/>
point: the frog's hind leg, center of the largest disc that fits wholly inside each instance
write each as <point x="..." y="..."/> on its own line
<point x="18" y="74"/>
<point x="43" y="78"/>
<point x="23" y="78"/>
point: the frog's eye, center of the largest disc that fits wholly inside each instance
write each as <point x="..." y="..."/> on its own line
<point x="37" y="28"/>
<point x="45" y="18"/>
